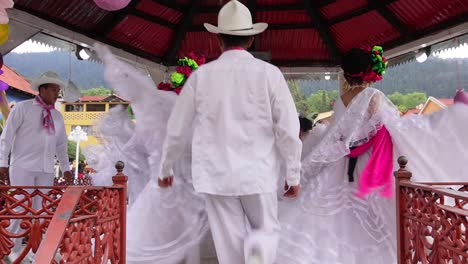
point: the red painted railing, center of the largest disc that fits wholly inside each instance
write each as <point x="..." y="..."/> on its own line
<point x="73" y="224"/>
<point x="432" y="220"/>
<point x="85" y="224"/>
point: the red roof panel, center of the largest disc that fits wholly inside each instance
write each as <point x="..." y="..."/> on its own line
<point x="306" y="42"/>
<point x="219" y="3"/>
<point x="201" y="18"/>
<point x="155" y="9"/>
<point x="278" y="2"/>
<point x="420" y="15"/>
<point x="283" y="17"/>
<point x="146" y="27"/>
<point x="341" y="7"/>
<point x="271" y="17"/>
<point x="142" y="34"/>
<point x="200" y="42"/>
<point x="82" y="14"/>
<point x="356" y="32"/>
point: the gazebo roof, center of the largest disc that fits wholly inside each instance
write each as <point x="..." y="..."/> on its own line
<point x="300" y="33"/>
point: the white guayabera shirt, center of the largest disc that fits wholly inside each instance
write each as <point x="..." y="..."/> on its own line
<point x="31" y="147"/>
<point x="244" y="122"/>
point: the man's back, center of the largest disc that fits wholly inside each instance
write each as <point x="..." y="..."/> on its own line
<point x="243" y="116"/>
<point x="234" y="143"/>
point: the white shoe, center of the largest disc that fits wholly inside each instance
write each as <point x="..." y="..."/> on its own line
<point x="254" y="258"/>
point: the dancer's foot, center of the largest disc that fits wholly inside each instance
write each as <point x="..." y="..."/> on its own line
<point x="254" y="257"/>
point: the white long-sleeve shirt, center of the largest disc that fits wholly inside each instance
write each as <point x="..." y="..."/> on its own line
<point x="244" y="122"/>
<point x="31" y="147"/>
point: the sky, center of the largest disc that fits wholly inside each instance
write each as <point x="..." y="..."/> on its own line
<point x="29" y="47"/>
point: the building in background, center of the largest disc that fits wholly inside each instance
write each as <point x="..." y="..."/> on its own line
<point x="85" y="112"/>
<point x="431" y="105"/>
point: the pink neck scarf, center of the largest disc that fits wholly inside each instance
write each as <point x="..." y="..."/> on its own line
<point x="47" y="121"/>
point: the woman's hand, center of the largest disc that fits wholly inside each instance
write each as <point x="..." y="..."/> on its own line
<point x="166" y="181"/>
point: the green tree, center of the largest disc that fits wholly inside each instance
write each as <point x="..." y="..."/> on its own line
<point x="72" y="151"/>
<point x="397" y="98"/>
<point x="321" y="101"/>
<point x="98" y="91"/>
<point x="404" y="102"/>
<point x="299" y="98"/>
<point x="415" y="98"/>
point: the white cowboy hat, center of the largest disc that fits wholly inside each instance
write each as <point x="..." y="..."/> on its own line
<point x="47" y="77"/>
<point x="235" y="19"/>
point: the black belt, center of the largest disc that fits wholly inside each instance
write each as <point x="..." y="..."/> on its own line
<point x="351" y="166"/>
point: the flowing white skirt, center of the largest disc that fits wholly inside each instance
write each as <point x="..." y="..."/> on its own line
<point x="163" y="225"/>
<point x="329" y="224"/>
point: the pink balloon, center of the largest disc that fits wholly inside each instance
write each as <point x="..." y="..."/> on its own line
<point x="112" y="5"/>
<point x="461" y="97"/>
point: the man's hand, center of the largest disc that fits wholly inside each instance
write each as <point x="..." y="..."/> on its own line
<point x="166" y="181"/>
<point x="3" y="171"/>
<point x="291" y="191"/>
<point x="4" y="175"/>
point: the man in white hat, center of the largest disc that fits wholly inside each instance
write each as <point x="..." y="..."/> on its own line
<point x="33" y="136"/>
<point x="244" y="122"/>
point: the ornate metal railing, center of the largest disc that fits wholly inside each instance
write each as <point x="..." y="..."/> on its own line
<point x="76" y="224"/>
<point x="432" y="220"/>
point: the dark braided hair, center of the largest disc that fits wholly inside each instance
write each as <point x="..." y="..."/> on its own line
<point x="355" y="61"/>
<point x="305" y="124"/>
<point x="364" y="66"/>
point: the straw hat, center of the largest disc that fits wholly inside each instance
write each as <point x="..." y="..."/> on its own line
<point x="48" y="77"/>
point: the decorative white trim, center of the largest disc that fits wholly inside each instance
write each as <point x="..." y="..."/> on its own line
<point x="60" y="32"/>
<point x="428" y="40"/>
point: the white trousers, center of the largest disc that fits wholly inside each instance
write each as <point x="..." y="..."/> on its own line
<point x="192" y="256"/>
<point x="241" y="224"/>
<point x="22" y="177"/>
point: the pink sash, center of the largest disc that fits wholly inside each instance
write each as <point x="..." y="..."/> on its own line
<point x="379" y="167"/>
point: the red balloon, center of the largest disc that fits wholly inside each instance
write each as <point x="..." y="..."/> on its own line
<point x="112" y="5"/>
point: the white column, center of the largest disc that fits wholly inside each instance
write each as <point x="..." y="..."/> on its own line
<point x="77" y="135"/>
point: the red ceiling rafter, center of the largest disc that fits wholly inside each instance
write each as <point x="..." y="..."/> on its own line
<point x="301" y="32"/>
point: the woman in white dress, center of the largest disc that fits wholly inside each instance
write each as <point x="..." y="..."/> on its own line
<point x="155" y="233"/>
<point x="346" y="213"/>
